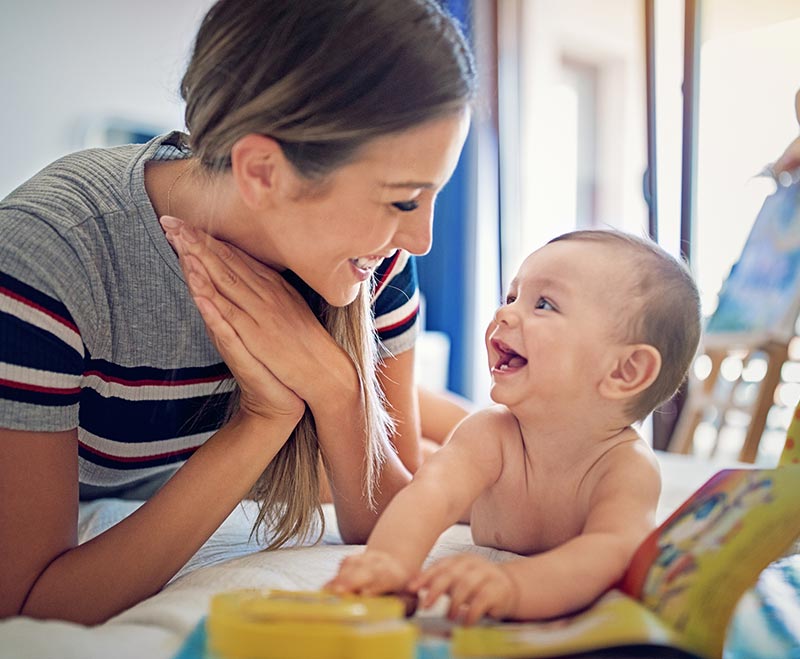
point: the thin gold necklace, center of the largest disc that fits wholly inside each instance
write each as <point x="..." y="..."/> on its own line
<point x="172" y="187"/>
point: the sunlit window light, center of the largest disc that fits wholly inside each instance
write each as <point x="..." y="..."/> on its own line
<point x="731" y="368"/>
<point x="790" y="372"/>
<point x="787" y="394"/>
<point x="705" y="436"/>
<point x="755" y="370"/>
<point x="702" y="367"/>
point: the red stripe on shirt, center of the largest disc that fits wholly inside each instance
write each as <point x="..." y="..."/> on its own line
<point x="156" y="383"/>
<point x="137" y="458"/>
<point x="35" y="387"/>
<point x="63" y="321"/>
<point x="386" y="274"/>
<point x="386" y="328"/>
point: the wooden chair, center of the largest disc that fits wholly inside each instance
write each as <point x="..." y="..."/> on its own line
<point x="717" y="397"/>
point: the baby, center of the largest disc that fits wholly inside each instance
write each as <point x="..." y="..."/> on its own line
<point x="598" y="329"/>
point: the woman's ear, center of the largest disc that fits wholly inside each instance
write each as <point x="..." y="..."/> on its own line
<point x="635" y="369"/>
<point x="256" y="161"/>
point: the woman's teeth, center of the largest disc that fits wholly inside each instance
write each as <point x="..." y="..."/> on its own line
<point x="366" y="263"/>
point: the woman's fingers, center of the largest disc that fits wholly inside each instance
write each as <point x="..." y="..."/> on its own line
<point x="271" y="318"/>
<point x="225" y="269"/>
<point x="261" y="392"/>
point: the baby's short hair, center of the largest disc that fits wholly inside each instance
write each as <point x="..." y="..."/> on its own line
<point x="665" y="311"/>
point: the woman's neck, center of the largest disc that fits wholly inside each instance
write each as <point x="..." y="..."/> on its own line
<point x="180" y="189"/>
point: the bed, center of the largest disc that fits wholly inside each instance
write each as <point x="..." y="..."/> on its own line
<point x="158" y="627"/>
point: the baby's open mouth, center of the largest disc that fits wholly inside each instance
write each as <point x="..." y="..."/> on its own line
<point x="508" y="359"/>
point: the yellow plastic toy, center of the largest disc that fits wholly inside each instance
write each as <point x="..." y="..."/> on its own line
<point x="280" y="624"/>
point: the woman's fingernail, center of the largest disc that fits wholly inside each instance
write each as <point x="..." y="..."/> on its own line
<point x="169" y="222"/>
<point x="189" y="234"/>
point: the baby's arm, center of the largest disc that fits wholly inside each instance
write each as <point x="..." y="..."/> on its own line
<point x="622" y="503"/>
<point x="443" y="488"/>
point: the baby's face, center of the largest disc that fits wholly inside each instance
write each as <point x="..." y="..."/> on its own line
<point x="552" y="341"/>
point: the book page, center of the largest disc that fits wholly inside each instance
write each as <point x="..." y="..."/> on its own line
<point x="614" y="620"/>
<point x="693" y="569"/>
<point x="760" y="296"/>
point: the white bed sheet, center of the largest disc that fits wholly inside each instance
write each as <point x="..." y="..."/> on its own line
<point x="157" y="627"/>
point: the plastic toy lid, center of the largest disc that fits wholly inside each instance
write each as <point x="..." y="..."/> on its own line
<point x="306" y="606"/>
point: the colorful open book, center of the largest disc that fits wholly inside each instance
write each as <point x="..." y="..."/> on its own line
<point x="686" y="578"/>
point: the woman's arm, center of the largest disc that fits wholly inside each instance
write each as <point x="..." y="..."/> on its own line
<point x="42" y="570"/>
<point x="45" y="574"/>
<point x="440" y="412"/>
<point x="396" y="377"/>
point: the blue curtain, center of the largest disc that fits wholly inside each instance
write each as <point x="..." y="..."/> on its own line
<point x="442" y="272"/>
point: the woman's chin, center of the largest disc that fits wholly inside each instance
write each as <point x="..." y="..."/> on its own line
<point x="340" y="297"/>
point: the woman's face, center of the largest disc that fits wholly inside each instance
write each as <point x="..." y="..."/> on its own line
<point x="333" y="237"/>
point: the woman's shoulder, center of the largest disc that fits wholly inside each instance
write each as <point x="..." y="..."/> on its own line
<point x="81" y="185"/>
<point x="70" y="189"/>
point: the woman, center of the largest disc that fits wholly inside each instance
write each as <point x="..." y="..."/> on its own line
<point x="320" y="132"/>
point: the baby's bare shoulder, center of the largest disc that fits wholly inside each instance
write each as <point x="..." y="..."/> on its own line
<point x="630" y="463"/>
<point x="495" y="419"/>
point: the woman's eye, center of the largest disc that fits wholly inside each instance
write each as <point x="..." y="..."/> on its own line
<point x="542" y="303"/>
<point x="406" y="206"/>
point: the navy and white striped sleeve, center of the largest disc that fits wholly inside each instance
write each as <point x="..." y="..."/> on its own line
<point x="41" y="360"/>
<point x="396" y="303"/>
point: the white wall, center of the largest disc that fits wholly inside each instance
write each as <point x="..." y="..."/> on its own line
<point x="68" y="63"/>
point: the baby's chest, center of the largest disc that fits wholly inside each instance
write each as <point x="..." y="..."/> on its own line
<point x="527" y="520"/>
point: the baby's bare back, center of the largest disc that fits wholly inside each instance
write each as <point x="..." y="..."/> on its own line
<point x="541" y="502"/>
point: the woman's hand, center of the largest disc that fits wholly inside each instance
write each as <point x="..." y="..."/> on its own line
<point x="271" y="319"/>
<point x="234" y="299"/>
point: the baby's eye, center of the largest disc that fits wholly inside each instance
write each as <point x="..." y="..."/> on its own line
<point x="543" y="303"/>
<point x="510" y="298"/>
<point x="406" y="206"/>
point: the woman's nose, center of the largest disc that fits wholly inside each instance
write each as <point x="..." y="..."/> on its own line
<point x="415" y="232"/>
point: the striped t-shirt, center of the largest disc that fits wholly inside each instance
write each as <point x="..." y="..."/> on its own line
<point x="97" y="329"/>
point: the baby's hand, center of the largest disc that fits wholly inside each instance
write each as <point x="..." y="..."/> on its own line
<point x="370" y="573"/>
<point x="476" y="587"/>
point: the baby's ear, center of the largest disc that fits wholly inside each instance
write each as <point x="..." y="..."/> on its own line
<point x="636" y="368"/>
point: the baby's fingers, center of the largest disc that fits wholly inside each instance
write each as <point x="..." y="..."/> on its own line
<point x="464" y="590"/>
<point x="433" y="583"/>
<point x="354" y="577"/>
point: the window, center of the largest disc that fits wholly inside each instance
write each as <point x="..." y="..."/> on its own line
<point x="572" y="120"/>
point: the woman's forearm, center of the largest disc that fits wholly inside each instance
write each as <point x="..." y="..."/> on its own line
<point x="136" y="557"/>
<point x="339" y="417"/>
